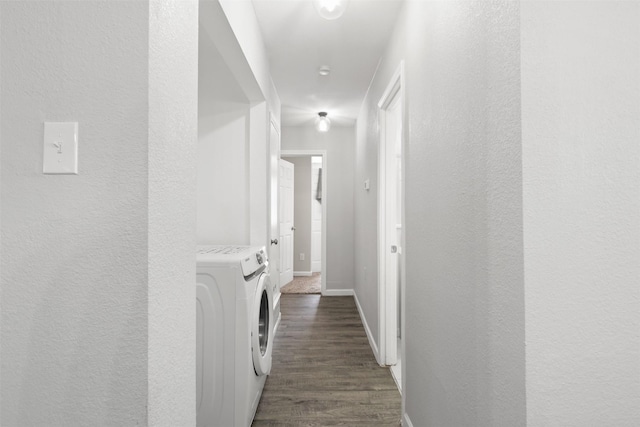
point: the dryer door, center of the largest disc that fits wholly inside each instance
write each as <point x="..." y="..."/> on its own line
<point x="262" y="326"/>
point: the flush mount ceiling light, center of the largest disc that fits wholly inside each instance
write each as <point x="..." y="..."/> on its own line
<point x="324" y="70"/>
<point x="322" y="122"/>
<point x="330" y="9"/>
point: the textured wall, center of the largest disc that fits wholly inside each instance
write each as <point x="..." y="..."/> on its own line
<point x="97" y="284"/>
<point x="464" y="265"/>
<point x="74" y="248"/>
<point x="339" y="143"/>
<point x="366" y="202"/>
<point x="172" y="149"/>
<point x="465" y="285"/>
<point x="581" y="156"/>
<point x="0" y="217"/>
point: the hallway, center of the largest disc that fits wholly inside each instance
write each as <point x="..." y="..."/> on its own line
<point x="324" y="372"/>
<point x="520" y="172"/>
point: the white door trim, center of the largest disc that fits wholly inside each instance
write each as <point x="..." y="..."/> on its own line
<point x="387" y="298"/>
<point x="325" y="191"/>
<point x="273" y="220"/>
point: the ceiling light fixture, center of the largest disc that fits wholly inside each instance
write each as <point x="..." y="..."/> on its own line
<point x="324" y="70"/>
<point x="323" y="124"/>
<point x="330" y="9"/>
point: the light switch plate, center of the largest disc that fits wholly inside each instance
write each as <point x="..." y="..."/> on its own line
<point x="60" y="148"/>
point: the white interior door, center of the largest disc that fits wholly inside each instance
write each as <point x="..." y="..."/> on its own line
<point x="393" y="226"/>
<point x="285" y="213"/>
<point x="390" y="231"/>
<point x="274" y="223"/>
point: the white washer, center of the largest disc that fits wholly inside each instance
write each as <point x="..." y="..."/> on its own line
<point x="234" y="333"/>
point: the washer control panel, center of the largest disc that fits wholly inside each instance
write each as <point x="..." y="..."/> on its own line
<point x="253" y="261"/>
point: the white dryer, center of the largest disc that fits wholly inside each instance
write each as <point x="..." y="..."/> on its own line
<point x="234" y="333"/>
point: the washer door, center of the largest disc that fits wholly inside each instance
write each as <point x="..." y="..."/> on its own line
<point x="262" y="326"/>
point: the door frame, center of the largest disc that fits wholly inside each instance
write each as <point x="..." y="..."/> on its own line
<point x="387" y="296"/>
<point x="273" y="226"/>
<point x="323" y="233"/>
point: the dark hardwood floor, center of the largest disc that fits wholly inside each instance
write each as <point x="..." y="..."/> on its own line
<point x="324" y="372"/>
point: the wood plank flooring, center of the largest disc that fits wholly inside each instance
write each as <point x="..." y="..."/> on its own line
<point x="324" y="372"/>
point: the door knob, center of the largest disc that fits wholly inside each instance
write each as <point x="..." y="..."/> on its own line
<point x="293" y="229"/>
<point x="394" y="249"/>
<point x="274" y="241"/>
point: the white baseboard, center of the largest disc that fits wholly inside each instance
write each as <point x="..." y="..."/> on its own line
<point x="337" y="293"/>
<point x="302" y="273"/>
<point x="372" y="342"/>
<point x="396" y="373"/>
<point x="406" y="422"/>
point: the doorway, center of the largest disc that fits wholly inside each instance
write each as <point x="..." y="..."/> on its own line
<point x="306" y="207"/>
<point x="309" y="249"/>
<point x="391" y="225"/>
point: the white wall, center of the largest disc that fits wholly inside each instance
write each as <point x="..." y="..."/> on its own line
<point x="339" y="143"/>
<point x="301" y="212"/>
<point x="242" y="19"/>
<point x="96" y="267"/>
<point x="366" y="202"/>
<point x="223" y="175"/>
<point x="172" y="150"/>
<point x="522" y="185"/>
<point x="1" y="303"/>
<point x="223" y="151"/>
<point x="1" y="370"/>
<point x="464" y="313"/>
<point x="581" y="157"/>
<point x="233" y="27"/>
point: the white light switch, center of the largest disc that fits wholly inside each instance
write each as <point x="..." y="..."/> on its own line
<point x="60" y="148"/>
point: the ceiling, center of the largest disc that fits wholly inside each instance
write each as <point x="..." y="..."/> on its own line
<point x="299" y="42"/>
